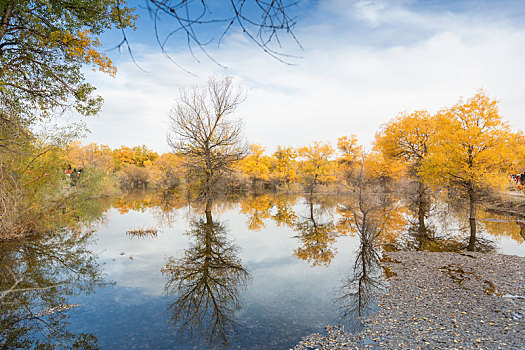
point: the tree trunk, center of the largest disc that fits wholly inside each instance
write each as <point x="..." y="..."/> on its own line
<point x="422" y="210"/>
<point x="472" y="218"/>
<point x="209" y="177"/>
<point x="6" y="17"/>
<point x="207" y="211"/>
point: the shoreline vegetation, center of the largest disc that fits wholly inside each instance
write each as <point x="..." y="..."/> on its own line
<point x="466" y="154"/>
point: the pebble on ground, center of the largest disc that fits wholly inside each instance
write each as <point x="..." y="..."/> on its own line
<point x="442" y="301"/>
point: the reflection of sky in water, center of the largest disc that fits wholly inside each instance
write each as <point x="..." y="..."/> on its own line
<point x="285" y="300"/>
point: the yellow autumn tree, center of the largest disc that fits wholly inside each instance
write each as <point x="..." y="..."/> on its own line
<point x="351" y="154"/>
<point x="518" y="146"/>
<point x="167" y="171"/>
<point x="256" y="166"/>
<point x="123" y="156"/>
<point x="407" y="139"/>
<point x="381" y="168"/>
<point x="144" y="156"/>
<point x="473" y="152"/>
<point x="285" y="167"/>
<point x="317" y="166"/>
<point x="91" y="156"/>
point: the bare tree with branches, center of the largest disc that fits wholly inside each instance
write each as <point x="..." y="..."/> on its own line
<point x="204" y="132"/>
<point x="204" y="22"/>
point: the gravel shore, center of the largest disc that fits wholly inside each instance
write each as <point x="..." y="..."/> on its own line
<point x="442" y="301"/>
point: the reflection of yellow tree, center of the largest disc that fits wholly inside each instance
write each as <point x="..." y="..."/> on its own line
<point x="375" y="209"/>
<point x="142" y="200"/>
<point x="317" y="237"/>
<point x="375" y="217"/>
<point x="206" y="282"/>
<point x="258" y="209"/>
<point x="284" y="214"/>
<point x="502" y="226"/>
<point x="137" y="201"/>
<point x="359" y="290"/>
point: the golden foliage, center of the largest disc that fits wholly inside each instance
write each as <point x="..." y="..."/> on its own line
<point x="82" y="46"/>
<point x="317" y="165"/>
<point x="473" y="146"/>
<point x="257" y="209"/>
<point x="408" y="137"/>
<point x="351" y="151"/>
<point x="378" y="166"/>
<point x="90" y="156"/>
<point x="256" y="166"/>
<point x="285" y="167"/>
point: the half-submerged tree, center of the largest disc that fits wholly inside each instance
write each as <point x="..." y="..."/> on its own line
<point x="473" y="154"/>
<point x="317" y="166"/>
<point x="408" y="139"/>
<point x="202" y="129"/>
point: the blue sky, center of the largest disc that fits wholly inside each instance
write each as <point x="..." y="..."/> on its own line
<point x="363" y="62"/>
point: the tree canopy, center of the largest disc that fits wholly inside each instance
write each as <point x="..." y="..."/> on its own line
<point x="43" y="46"/>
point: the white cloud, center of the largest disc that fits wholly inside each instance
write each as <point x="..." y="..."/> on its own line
<point x="341" y="87"/>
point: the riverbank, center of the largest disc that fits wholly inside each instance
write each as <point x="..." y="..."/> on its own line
<point x="442" y="301"/>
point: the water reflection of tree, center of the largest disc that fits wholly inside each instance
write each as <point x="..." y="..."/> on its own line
<point x="317" y="234"/>
<point x="358" y="291"/>
<point x="260" y="208"/>
<point x="419" y="203"/>
<point x="377" y="217"/>
<point x="37" y="277"/>
<point x="451" y="228"/>
<point x="206" y="281"/>
<point x="257" y="209"/>
<point x="284" y="212"/>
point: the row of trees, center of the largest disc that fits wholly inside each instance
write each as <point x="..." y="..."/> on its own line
<point x="466" y="150"/>
<point x="312" y="165"/>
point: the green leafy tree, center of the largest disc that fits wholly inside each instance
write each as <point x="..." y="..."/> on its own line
<point x="43" y="46"/>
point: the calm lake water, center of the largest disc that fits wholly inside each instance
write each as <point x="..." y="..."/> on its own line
<point x="253" y="273"/>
